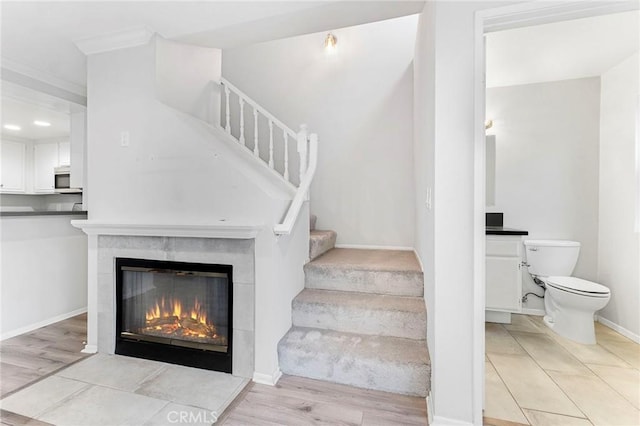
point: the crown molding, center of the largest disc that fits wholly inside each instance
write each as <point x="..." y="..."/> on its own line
<point x="19" y="69"/>
<point x="122" y="39"/>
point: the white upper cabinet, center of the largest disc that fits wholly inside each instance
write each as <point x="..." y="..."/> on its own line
<point x="45" y="158"/>
<point x="12" y="161"/>
<point x="64" y="153"/>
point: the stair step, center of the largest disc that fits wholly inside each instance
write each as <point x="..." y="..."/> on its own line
<point x="389" y="364"/>
<point x="393" y="272"/>
<point x="321" y="242"/>
<point x="312" y="222"/>
<point x="372" y="314"/>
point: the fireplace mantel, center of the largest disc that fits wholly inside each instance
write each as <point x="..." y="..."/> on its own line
<point x="221" y="229"/>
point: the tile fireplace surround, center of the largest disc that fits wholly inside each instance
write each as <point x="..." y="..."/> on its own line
<point x="181" y="244"/>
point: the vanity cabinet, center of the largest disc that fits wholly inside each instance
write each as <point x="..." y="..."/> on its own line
<point x="503" y="275"/>
<point x="13" y="163"/>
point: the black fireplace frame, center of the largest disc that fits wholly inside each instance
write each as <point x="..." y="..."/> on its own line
<point x="190" y="357"/>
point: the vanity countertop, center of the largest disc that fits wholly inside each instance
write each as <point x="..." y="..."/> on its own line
<point x="501" y="230"/>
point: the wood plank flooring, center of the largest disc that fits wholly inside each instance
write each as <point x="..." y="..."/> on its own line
<point x="30" y="357"/>
<point x="294" y="401"/>
<point x="300" y="401"/>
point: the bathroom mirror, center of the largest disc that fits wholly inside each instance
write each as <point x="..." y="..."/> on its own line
<point x="490" y="156"/>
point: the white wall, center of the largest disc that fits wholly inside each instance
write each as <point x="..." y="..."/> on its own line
<point x="173" y="170"/>
<point x="423" y="149"/>
<point x="359" y="101"/>
<point x="547" y="144"/>
<point x="177" y="171"/>
<point x="619" y="243"/>
<point x="56" y="287"/>
<point x="444" y="145"/>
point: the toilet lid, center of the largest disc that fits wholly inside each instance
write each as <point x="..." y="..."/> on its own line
<point x="577" y="284"/>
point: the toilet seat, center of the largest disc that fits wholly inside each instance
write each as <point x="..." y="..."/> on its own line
<point x="578" y="286"/>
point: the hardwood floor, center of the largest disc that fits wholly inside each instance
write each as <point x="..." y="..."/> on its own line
<point x="30" y="357"/>
<point x="300" y="401"/>
<point x="293" y="401"/>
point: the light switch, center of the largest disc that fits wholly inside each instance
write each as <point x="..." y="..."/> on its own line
<point x="124" y="139"/>
<point x="428" y="201"/>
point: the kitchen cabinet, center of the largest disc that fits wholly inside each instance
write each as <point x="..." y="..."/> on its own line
<point x="12" y="161"/>
<point x="45" y="158"/>
<point x="64" y="153"/>
<point x="503" y="275"/>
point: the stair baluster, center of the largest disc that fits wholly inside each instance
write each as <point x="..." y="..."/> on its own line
<point x="286" y="155"/>
<point x="271" y="144"/>
<point x="256" y="149"/>
<point x="227" y="93"/>
<point x="307" y="146"/>
<point x="242" y="121"/>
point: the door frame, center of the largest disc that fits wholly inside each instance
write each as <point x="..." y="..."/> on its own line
<point x="486" y="21"/>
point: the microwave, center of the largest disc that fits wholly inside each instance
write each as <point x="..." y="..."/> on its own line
<point x="62" y="181"/>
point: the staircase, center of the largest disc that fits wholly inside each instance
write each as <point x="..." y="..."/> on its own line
<point x="360" y="320"/>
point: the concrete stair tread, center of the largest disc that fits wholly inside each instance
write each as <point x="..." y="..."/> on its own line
<point x="373" y="362"/>
<point x="370" y="260"/>
<point x="361" y="300"/>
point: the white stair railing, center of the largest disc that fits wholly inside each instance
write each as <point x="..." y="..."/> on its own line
<point x="307" y="148"/>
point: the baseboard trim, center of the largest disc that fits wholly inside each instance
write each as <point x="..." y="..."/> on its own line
<point x="612" y="325"/>
<point x="40" y="324"/>
<point x="419" y="260"/>
<point x="372" y="247"/>
<point x="267" y="379"/>
<point x="446" y="421"/>
<point x="536" y="312"/>
<point x="90" y="349"/>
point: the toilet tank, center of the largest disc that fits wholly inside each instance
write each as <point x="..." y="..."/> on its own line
<point x="551" y="257"/>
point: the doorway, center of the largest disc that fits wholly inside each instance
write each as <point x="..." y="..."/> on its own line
<point x="496" y="20"/>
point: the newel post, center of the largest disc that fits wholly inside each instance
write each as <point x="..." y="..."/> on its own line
<point x="302" y="149"/>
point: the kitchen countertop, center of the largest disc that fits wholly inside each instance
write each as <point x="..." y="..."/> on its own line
<point x="501" y="230"/>
<point x="44" y="213"/>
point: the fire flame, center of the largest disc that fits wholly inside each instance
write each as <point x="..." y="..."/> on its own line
<point x="169" y="316"/>
<point x="173" y="308"/>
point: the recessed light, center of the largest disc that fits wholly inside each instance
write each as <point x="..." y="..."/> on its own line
<point x="42" y="123"/>
<point x="12" y="127"/>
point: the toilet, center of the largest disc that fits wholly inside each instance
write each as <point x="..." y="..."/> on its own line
<point x="569" y="302"/>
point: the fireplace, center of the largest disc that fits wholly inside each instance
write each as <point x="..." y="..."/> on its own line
<point x="175" y="312"/>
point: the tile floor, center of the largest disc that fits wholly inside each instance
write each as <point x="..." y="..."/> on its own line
<point x="535" y="377"/>
<point x="112" y="389"/>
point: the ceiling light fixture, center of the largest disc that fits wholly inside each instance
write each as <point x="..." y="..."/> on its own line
<point x="42" y="123"/>
<point x="330" y="42"/>
<point x="12" y="127"/>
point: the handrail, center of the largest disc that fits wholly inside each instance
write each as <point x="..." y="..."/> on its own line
<point x="286" y="226"/>
<point x="307" y="146"/>
<point x="255" y="105"/>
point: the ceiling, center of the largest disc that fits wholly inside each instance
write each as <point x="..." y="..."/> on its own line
<point x="40" y="35"/>
<point x="24" y="114"/>
<point x="22" y="106"/>
<point x="564" y="50"/>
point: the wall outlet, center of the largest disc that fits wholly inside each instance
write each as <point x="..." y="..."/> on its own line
<point x="124" y="139"/>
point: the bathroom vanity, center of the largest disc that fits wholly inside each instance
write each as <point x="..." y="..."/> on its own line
<point x="504" y="265"/>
